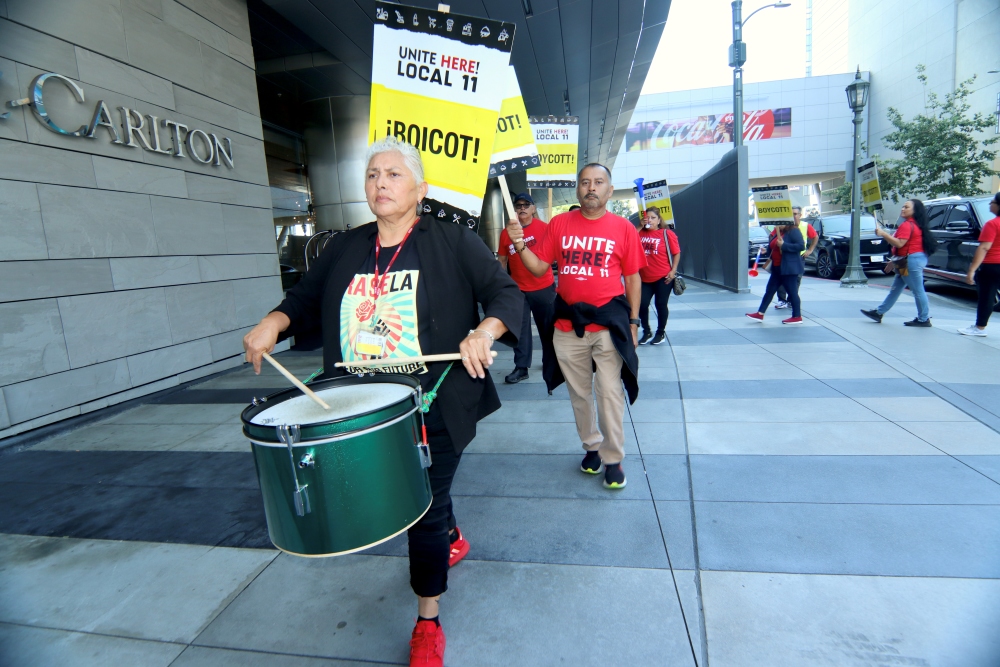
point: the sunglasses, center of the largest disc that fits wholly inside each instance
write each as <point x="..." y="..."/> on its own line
<point x="522" y="206"/>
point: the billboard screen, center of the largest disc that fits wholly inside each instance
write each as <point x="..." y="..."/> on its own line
<point x="715" y="129"/>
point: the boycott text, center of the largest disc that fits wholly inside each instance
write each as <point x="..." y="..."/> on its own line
<point x="434" y="140"/>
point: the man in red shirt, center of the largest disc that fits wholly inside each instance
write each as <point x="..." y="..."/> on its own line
<point x="812" y="239"/>
<point x="539" y="293"/>
<point x="596" y="316"/>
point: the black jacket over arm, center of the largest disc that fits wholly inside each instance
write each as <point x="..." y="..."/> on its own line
<point x="614" y="315"/>
<point x="458" y="271"/>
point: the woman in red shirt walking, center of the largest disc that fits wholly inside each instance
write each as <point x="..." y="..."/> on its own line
<point x="987" y="280"/>
<point x="663" y="252"/>
<point x="910" y="241"/>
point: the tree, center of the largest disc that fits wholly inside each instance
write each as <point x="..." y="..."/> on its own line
<point x="888" y="180"/>
<point x="623" y="207"/>
<point x="941" y="152"/>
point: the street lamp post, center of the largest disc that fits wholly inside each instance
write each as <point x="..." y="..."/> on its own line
<point x="857" y="98"/>
<point x="737" y="57"/>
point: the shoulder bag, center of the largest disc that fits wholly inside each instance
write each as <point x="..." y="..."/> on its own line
<point x="679" y="284"/>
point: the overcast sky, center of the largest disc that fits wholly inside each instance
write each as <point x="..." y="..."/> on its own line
<point x="693" y="51"/>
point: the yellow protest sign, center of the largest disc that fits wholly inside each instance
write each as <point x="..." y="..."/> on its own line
<point x="871" y="193"/>
<point x="514" y="145"/>
<point x="434" y="86"/>
<point x="657" y="194"/>
<point x="774" y="206"/>
<point x="557" y="138"/>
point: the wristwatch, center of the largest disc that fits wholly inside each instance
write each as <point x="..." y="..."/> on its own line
<point x="635" y="322"/>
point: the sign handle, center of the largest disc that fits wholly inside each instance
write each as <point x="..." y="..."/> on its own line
<point x="508" y="203"/>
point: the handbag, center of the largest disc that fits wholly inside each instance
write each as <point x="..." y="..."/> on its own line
<point x="679" y="284"/>
<point x="896" y="263"/>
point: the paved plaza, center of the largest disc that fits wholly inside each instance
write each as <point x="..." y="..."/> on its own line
<point x="826" y="494"/>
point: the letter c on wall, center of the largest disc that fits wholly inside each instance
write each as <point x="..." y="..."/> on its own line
<point x="37" y="103"/>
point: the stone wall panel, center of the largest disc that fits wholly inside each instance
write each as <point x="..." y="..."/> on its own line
<point x="21" y="222"/>
<point x="99" y="327"/>
<point x="95" y="223"/>
<point x="31" y="341"/>
<point x="47" y="278"/>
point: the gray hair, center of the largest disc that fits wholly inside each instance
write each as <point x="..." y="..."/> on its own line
<point x="410" y="155"/>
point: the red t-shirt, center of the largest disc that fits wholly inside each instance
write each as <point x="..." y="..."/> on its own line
<point x="525" y="279"/>
<point x="775" y="249"/>
<point x="592" y="257"/>
<point x="909" y="230"/>
<point x="657" y="259"/>
<point x="991" y="234"/>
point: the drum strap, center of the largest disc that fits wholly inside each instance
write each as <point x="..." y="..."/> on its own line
<point x="318" y="372"/>
<point x="428" y="398"/>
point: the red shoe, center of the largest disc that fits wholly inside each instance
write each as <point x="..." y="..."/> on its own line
<point x="756" y="316"/>
<point x="427" y="645"/>
<point x="792" y="320"/>
<point x="459" y="548"/>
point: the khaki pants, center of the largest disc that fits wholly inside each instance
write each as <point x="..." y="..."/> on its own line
<point x="577" y="358"/>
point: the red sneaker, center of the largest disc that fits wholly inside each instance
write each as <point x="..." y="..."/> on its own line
<point x="756" y="316"/>
<point x="792" y="320"/>
<point x="459" y="548"/>
<point x="427" y="645"/>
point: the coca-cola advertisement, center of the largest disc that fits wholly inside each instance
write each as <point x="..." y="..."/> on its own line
<point x="716" y="129"/>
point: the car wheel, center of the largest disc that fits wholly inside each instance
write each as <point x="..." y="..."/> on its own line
<point x="824" y="266"/>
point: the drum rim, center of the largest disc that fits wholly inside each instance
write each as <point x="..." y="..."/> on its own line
<point x="378" y="378"/>
<point x="356" y="549"/>
<point x="347" y="435"/>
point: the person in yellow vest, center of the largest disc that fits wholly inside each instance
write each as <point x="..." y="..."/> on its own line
<point x="812" y="238"/>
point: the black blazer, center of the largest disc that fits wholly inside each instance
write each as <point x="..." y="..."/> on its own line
<point x="459" y="273"/>
<point x="791" y="260"/>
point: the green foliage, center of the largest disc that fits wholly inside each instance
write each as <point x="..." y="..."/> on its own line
<point x="622" y="207"/>
<point x="942" y="154"/>
<point x="888" y="180"/>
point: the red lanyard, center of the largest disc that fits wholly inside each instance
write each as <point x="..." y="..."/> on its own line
<point x="377" y="289"/>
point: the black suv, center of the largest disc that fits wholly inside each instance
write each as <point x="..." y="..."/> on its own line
<point x="834" y="246"/>
<point x="955" y="222"/>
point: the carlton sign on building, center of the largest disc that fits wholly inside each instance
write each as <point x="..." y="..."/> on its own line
<point x="137" y="130"/>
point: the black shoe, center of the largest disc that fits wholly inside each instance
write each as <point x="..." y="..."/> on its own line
<point x="873" y="314"/>
<point x="614" y="476"/>
<point x="592" y="463"/>
<point x="645" y="337"/>
<point x="659" y="338"/>
<point x="516" y="376"/>
<point x="917" y="323"/>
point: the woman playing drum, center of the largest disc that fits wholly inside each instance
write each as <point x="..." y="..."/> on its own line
<point x="406" y="286"/>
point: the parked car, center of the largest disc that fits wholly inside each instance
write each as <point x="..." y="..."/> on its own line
<point x="955" y="223"/>
<point x="834" y="245"/>
<point x="759" y="241"/>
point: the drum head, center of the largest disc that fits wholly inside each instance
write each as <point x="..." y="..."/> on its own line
<point x="356" y="403"/>
<point x="343" y="402"/>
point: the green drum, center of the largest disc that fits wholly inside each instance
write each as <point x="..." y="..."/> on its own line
<point x="345" y="479"/>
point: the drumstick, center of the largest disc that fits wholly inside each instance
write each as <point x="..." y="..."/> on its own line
<point x="392" y="361"/>
<point x="294" y="380"/>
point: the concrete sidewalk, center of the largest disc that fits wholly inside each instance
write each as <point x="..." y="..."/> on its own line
<point x="823" y="494"/>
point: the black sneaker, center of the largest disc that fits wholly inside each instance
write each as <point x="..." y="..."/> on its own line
<point x="659" y="338"/>
<point x="614" y="476"/>
<point x="592" y="463"/>
<point x="872" y="314"/>
<point x="917" y="323"/>
<point x="646" y="336"/>
<point x="516" y="376"/>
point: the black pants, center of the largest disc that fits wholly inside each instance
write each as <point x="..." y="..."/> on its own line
<point x="791" y="284"/>
<point x="541" y="305"/>
<point x="987" y="283"/>
<point x="659" y="293"/>
<point x="782" y="294"/>
<point x="430" y="545"/>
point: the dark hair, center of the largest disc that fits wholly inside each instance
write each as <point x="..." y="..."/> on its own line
<point x="574" y="207"/>
<point x="920" y="217"/>
<point x="656" y="210"/>
<point x="996" y="199"/>
<point x="592" y="164"/>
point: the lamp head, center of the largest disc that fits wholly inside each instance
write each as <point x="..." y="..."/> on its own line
<point x="782" y="5"/>
<point x="857" y="92"/>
